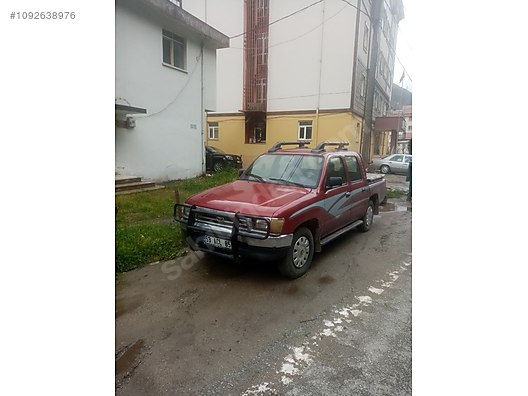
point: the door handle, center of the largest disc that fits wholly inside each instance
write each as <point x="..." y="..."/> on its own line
<point x="363" y="189"/>
<point x="348" y="194"/>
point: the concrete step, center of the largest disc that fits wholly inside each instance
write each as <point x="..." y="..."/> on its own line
<point x="125" y="184"/>
<point x="126" y="179"/>
<point x="134" y="185"/>
<point x="143" y="189"/>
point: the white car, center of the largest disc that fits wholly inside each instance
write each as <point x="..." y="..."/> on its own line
<point x="393" y="163"/>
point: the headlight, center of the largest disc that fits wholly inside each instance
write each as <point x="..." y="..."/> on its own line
<point x="260" y="224"/>
<point x="272" y="225"/>
<point x="229" y="158"/>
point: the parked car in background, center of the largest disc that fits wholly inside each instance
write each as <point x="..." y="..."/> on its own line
<point x="393" y="163"/>
<point x="216" y="159"/>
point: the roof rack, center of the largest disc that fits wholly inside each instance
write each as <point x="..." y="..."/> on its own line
<point x="321" y="146"/>
<point x="299" y="143"/>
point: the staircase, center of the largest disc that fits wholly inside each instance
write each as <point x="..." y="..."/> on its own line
<point x="133" y="184"/>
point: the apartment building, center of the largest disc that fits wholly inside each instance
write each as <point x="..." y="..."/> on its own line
<point x="297" y="69"/>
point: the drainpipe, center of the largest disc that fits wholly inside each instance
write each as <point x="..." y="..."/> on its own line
<point x="202" y="109"/>
<point x="371" y="78"/>
<point x="356" y="43"/>
<point x="320" y="77"/>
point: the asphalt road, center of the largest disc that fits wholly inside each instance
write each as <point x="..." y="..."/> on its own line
<point x="203" y="325"/>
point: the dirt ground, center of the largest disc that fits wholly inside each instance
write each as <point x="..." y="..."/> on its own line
<point x="203" y="325"/>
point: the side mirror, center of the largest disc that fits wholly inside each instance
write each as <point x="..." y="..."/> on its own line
<point x="334" y="181"/>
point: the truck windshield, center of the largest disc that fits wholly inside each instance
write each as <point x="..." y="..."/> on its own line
<point x="289" y="169"/>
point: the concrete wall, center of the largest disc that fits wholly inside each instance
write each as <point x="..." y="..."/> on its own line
<point x="226" y="16"/>
<point x="166" y="143"/>
<point x="310" y="62"/>
<point x="311" y="55"/>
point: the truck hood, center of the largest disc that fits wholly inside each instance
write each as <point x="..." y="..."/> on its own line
<point x="248" y="197"/>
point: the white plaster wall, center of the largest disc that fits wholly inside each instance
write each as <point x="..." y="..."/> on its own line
<point x="166" y="143"/>
<point x="294" y="60"/>
<point x="227" y="16"/>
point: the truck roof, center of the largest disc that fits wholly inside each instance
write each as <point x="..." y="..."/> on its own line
<point x="301" y="148"/>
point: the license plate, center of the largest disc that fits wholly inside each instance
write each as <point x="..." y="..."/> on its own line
<point x="217" y="242"/>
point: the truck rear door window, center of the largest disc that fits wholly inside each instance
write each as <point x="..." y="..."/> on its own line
<point x="353" y="168"/>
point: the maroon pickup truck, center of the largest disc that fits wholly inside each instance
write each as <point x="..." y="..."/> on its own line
<point x="285" y="206"/>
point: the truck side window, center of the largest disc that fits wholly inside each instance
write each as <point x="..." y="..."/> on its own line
<point x="335" y="169"/>
<point x="353" y="168"/>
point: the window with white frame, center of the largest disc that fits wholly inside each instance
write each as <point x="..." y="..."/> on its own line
<point x="363" y="85"/>
<point x="365" y="37"/>
<point x="305" y="130"/>
<point x="173" y="50"/>
<point x="213" y="130"/>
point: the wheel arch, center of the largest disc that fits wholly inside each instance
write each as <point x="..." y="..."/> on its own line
<point x="375" y="201"/>
<point x="313" y="226"/>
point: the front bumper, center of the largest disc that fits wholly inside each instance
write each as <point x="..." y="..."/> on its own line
<point x="239" y="250"/>
<point x="244" y="245"/>
<point x="236" y="163"/>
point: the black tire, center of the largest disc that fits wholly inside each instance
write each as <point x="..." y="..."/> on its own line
<point x="385" y="169"/>
<point x="368" y="218"/>
<point x="300" y="254"/>
<point x="218" y="166"/>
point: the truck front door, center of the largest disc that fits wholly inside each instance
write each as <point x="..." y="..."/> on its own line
<point x="338" y="198"/>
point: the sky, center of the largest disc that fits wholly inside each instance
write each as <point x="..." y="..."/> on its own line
<point x="404" y="49"/>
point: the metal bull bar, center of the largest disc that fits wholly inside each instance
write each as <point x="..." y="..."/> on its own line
<point x="204" y="222"/>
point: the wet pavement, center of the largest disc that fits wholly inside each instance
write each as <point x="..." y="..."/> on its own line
<point x="398" y="206"/>
<point x="202" y="325"/>
<point x="397" y="182"/>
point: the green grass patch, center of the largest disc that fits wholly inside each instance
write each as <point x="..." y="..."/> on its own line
<point x="137" y="245"/>
<point x="395" y="193"/>
<point x="145" y="231"/>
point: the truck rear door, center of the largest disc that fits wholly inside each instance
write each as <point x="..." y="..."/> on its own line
<point x="358" y="188"/>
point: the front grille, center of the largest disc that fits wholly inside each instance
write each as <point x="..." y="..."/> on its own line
<point x="223" y="221"/>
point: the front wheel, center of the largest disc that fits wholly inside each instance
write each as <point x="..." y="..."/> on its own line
<point x="300" y="254"/>
<point x="385" y="169"/>
<point x="368" y="218"/>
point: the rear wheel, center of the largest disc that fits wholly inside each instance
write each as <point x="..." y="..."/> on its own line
<point x="385" y="169"/>
<point x="218" y="166"/>
<point x="368" y="218"/>
<point x="300" y="254"/>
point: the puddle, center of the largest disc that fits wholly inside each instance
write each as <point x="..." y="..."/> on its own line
<point x="392" y="207"/>
<point x="292" y="290"/>
<point x="127" y="361"/>
<point x="326" y="279"/>
<point x="125" y="305"/>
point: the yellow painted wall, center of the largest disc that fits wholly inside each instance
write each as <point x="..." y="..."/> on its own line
<point x="343" y="126"/>
<point x="230" y="133"/>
